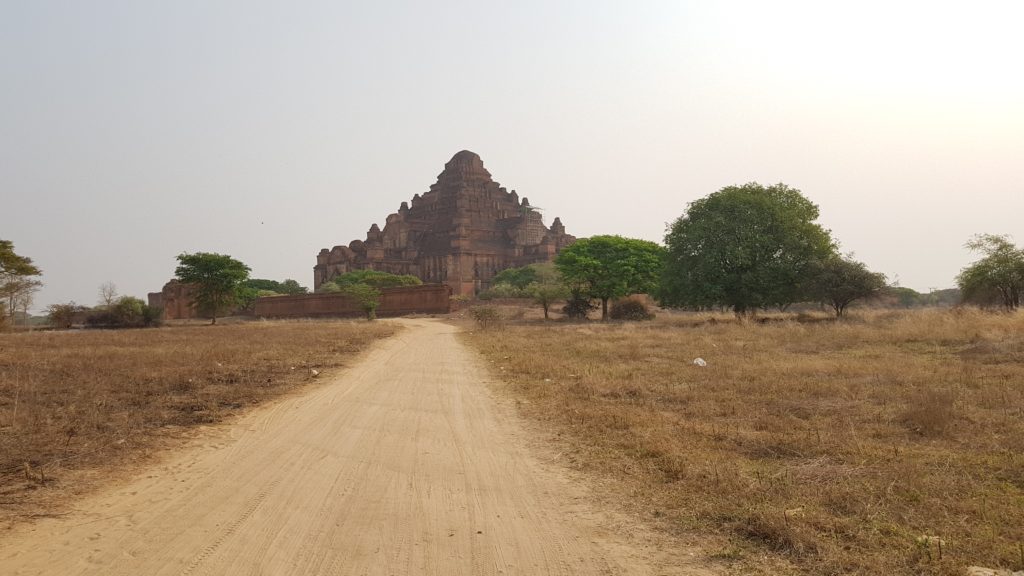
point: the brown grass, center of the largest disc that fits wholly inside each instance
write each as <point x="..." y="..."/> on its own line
<point x="76" y="407"/>
<point x="827" y="448"/>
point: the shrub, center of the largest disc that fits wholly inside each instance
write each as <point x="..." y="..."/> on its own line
<point x="504" y="290"/>
<point x="63" y="315"/>
<point x="486" y="317"/>
<point x="630" y="310"/>
<point x="578" y="306"/>
<point x="125" y="312"/>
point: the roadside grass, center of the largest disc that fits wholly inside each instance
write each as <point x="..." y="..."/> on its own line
<point x="78" y="407"/>
<point x="890" y="443"/>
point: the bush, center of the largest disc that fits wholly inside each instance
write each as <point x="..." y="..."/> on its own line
<point x="631" y="310"/>
<point x="504" y="290"/>
<point x="578" y="306"/>
<point x="125" y="312"/>
<point x="64" y="315"/>
<point x="486" y="317"/>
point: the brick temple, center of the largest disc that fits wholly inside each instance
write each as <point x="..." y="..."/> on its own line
<point x="462" y="232"/>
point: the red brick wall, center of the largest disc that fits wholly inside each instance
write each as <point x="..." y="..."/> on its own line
<point x="426" y="299"/>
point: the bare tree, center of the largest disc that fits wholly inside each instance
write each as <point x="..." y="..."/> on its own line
<point x="108" y="294"/>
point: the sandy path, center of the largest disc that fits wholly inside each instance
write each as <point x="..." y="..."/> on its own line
<point x="404" y="464"/>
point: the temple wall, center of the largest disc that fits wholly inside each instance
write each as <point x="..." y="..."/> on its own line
<point x="425" y="299"/>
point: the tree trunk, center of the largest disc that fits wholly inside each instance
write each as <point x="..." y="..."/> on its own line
<point x="545" y="306"/>
<point x="604" y="309"/>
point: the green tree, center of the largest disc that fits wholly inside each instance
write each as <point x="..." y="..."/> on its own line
<point x="998" y="278"/>
<point x="607" y="267"/>
<point x="217" y="280"/>
<point x="840" y="281"/>
<point x="289" y="286"/>
<point x="374" y="278"/>
<point x="517" y="277"/>
<point x="745" y="247"/>
<point x="17" y="280"/>
<point x="292" y="288"/>
<point x="365" y="296"/>
<point x="547" y="286"/>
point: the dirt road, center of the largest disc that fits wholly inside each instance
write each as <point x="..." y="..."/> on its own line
<point x="404" y="464"/>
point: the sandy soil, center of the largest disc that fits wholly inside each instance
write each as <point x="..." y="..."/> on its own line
<point x="404" y="464"/>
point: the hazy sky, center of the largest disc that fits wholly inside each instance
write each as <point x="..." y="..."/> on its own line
<point x="133" y="131"/>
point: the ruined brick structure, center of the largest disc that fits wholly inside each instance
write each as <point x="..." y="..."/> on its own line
<point x="176" y="300"/>
<point x="461" y="232"/>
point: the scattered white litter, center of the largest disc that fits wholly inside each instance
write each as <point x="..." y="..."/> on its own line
<point x="315" y="373"/>
<point x="700" y="362"/>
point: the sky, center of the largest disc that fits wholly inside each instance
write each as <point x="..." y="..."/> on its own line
<point x="134" y="131"/>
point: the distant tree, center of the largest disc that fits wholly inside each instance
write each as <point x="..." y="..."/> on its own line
<point x="217" y="278"/>
<point x="372" y="278"/>
<point x="288" y="287"/>
<point x="840" y="281"/>
<point x="124" y="312"/>
<point x="365" y="296"/>
<point x="745" y="247"/>
<point x="328" y="288"/>
<point x="607" y="267"/>
<point x="64" y="315"/>
<point x="547" y="286"/>
<point x="517" y="277"/>
<point x="17" y="280"/>
<point x="108" y="294"/>
<point x="292" y="288"/>
<point x="998" y="278"/>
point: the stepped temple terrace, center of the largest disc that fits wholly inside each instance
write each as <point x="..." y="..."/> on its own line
<point x="462" y="232"/>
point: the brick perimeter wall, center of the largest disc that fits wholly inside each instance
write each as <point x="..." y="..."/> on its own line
<point x="426" y="299"/>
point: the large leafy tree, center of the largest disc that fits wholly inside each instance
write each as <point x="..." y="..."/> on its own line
<point x="840" y="282"/>
<point x="17" y="280"/>
<point x="998" y="278"/>
<point x="607" y="267"/>
<point x="218" y="280"/>
<point x="745" y="247"/>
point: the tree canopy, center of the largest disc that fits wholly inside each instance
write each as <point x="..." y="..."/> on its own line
<point x="745" y="247"/>
<point x="13" y="264"/>
<point x="546" y="287"/>
<point x="998" y="277"/>
<point x="840" y="281"/>
<point x="516" y="277"/>
<point x="289" y="287"/>
<point x="17" y="280"/>
<point x="373" y="278"/>
<point x="217" y="279"/>
<point x="607" y="267"/>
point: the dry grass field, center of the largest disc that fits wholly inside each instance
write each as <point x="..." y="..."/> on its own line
<point x="77" y="407"/>
<point x="891" y="443"/>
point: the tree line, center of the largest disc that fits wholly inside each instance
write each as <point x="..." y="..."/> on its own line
<point x="745" y="248"/>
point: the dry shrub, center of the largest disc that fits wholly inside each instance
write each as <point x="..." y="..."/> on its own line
<point x="630" y="310"/>
<point x="75" y="406"/>
<point x="825" y="447"/>
<point x="931" y="411"/>
<point x="487" y="317"/>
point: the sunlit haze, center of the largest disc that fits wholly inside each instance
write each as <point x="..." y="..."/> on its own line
<point x="132" y="131"/>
